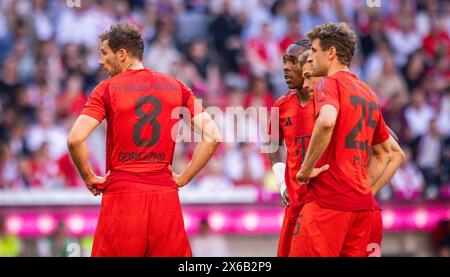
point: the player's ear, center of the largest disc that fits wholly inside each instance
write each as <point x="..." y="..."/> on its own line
<point x="332" y="52"/>
<point x="122" y="54"/>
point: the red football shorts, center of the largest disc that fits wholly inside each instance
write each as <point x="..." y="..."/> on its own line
<point x="289" y="228"/>
<point x="332" y="233"/>
<point x="140" y="220"/>
<point x="376" y="235"/>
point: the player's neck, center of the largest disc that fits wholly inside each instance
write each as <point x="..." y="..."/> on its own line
<point x="133" y="65"/>
<point x="303" y="97"/>
<point x="335" y="68"/>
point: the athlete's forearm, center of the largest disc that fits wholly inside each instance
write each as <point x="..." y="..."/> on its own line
<point x="320" y="139"/>
<point x="76" y="142"/>
<point x="279" y="167"/>
<point x="397" y="158"/>
<point x="377" y="164"/>
<point x="80" y="157"/>
<point x="277" y="156"/>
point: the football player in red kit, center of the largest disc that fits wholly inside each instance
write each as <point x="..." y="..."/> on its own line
<point x="295" y="121"/>
<point x="140" y="212"/>
<point x="338" y="216"/>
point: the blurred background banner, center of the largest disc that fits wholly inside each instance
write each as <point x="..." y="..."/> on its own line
<point x="230" y="53"/>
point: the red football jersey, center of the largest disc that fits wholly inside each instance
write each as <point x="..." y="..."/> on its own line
<point x="359" y="125"/>
<point x="296" y="124"/>
<point x="142" y="109"/>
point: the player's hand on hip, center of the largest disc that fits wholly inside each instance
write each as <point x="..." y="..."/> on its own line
<point x="177" y="178"/>
<point x="285" y="201"/>
<point x="303" y="177"/>
<point x="92" y="182"/>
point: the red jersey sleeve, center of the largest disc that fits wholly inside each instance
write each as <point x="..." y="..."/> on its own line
<point x="190" y="101"/>
<point x="381" y="132"/>
<point x="95" y="105"/>
<point x="326" y="94"/>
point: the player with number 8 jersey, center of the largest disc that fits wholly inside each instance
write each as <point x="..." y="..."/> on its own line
<point x="138" y="106"/>
<point x="140" y="211"/>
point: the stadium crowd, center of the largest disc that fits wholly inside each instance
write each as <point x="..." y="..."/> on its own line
<point x="230" y="54"/>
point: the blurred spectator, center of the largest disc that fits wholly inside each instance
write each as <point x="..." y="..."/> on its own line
<point x="312" y="16"/>
<point x="72" y="99"/>
<point x="389" y="82"/>
<point x="443" y="121"/>
<point x="408" y="182"/>
<point x="374" y="63"/>
<point x="437" y="42"/>
<point x="394" y="116"/>
<point x="226" y="29"/>
<point x="209" y="244"/>
<point x="429" y="156"/>
<point x="415" y="70"/>
<point x="162" y="53"/>
<point x="41" y="20"/>
<point x="374" y="38"/>
<point x="404" y="40"/>
<point x="9" y="81"/>
<point x="17" y="139"/>
<point x="214" y="180"/>
<point x="89" y="24"/>
<point x="419" y="114"/>
<point x="259" y="94"/>
<point x="263" y="52"/>
<point x="8" y="167"/>
<point x="204" y="75"/>
<point x="44" y="170"/>
<point x="445" y="169"/>
<point x="293" y="33"/>
<point x="45" y="130"/>
<point x="192" y="19"/>
<point x="244" y="165"/>
<point x="22" y="176"/>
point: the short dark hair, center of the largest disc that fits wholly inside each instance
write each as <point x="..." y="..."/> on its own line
<point x="304" y="57"/>
<point x="126" y="36"/>
<point x="305" y="43"/>
<point x="338" y="35"/>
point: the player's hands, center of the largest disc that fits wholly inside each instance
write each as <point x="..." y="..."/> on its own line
<point x="303" y="177"/>
<point x="95" y="180"/>
<point x="177" y="178"/>
<point x="285" y="199"/>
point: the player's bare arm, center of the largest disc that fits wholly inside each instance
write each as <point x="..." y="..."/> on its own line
<point x="392" y="151"/>
<point x="76" y="142"/>
<point x="279" y="168"/>
<point x="204" y="125"/>
<point x="321" y="136"/>
<point x="378" y="161"/>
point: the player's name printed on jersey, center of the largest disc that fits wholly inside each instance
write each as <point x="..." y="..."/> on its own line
<point x="141" y="156"/>
<point x="130" y="87"/>
<point x="143" y="87"/>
